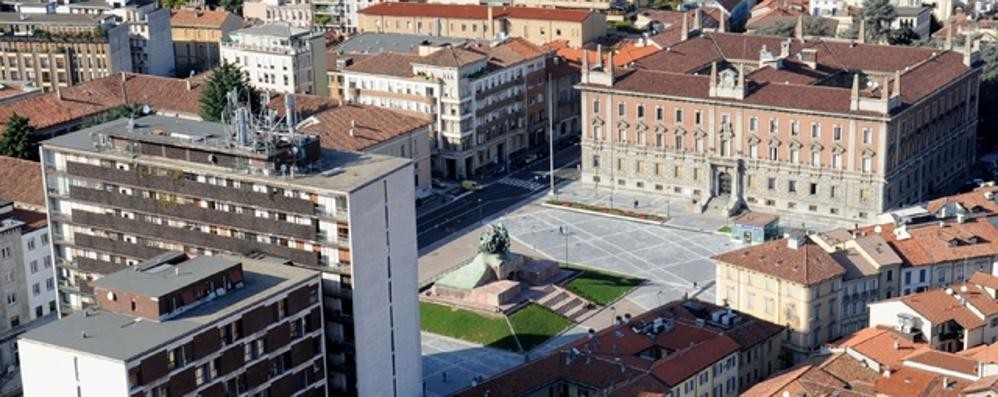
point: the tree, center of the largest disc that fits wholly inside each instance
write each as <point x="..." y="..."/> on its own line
<point x="173" y="3"/>
<point x="16" y="139"/>
<point x="321" y="19"/>
<point x="224" y="79"/>
<point x="878" y="15"/>
<point x="112" y="114"/>
<point x="233" y="6"/>
<point x="813" y="26"/>
<point x="904" y="36"/>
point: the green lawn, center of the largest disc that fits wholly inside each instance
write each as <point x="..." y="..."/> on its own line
<point x="724" y="229"/>
<point x="533" y="324"/>
<point x="601" y="288"/>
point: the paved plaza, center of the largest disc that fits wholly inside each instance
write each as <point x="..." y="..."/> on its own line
<point x="462" y="361"/>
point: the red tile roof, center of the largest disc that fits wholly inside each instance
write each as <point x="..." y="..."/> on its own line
<point x="883" y="345"/>
<point x="930" y="244"/>
<point x="923" y="70"/>
<point x="982" y="353"/>
<point x="911" y="382"/>
<point x="96" y="96"/>
<point x="199" y="18"/>
<point x="974" y="201"/>
<point x="474" y="12"/>
<point x="985" y="280"/>
<point x="21" y="182"/>
<point x="939" y="307"/>
<point x="807" y="265"/>
<point x="945" y="360"/>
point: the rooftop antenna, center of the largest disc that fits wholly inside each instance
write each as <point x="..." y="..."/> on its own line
<point x="290" y="112"/>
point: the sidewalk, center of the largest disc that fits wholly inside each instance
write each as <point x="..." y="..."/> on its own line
<point x="678" y="210"/>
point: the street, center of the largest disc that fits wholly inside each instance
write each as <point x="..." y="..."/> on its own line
<point x="495" y="198"/>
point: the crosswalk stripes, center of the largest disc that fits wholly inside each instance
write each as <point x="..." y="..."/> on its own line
<point x="520" y="183"/>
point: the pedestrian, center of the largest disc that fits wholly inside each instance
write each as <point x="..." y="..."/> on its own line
<point x="635" y="204"/>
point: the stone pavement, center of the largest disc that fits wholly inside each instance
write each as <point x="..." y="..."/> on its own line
<point x="462" y="361"/>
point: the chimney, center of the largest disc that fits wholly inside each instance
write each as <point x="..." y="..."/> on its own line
<point x="854" y="93"/>
<point x="698" y="20"/>
<point x="609" y="64"/>
<point x="490" y="18"/>
<point x="721" y="24"/>
<point x="949" y="35"/>
<point x="353" y="125"/>
<point x="884" y="94"/>
<point x="897" y="84"/>
<point x="585" y="60"/>
<point x="188" y="84"/>
<point x="741" y="77"/>
<point x="684" y="31"/>
<point x="785" y="48"/>
<point x="713" y="74"/>
<point x="861" y="37"/>
<point x="799" y="29"/>
<point x="810" y="57"/>
<point x="599" y="56"/>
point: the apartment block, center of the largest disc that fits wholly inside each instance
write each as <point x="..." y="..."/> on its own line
<point x="298" y="13"/>
<point x="129" y="190"/>
<point x="813" y="127"/>
<point x="488" y="102"/>
<point x="53" y="50"/>
<point x="176" y="325"/>
<point x="537" y="25"/>
<point x="196" y="37"/>
<point x="278" y="57"/>
<point x="684" y="348"/>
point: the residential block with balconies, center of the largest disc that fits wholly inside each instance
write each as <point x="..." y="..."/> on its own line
<point x="488" y="102"/>
<point x="128" y="190"/>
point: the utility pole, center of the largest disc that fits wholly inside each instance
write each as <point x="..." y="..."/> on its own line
<point x="551" y="134"/>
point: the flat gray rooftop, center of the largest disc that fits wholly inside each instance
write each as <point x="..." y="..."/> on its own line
<point x="275" y="29"/>
<point x="54" y="19"/>
<point x="372" y="42"/>
<point x="353" y="169"/>
<point x="150" y="279"/>
<point x="122" y="337"/>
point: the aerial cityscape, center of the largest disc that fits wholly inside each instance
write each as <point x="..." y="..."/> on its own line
<point x="502" y="198"/>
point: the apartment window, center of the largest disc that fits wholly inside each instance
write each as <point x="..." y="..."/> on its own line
<point x="621" y="109"/>
<point x="45" y="239"/>
<point x="815" y="130"/>
<point x="753" y="123"/>
<point x="774" y="126"/>
<point x="679" y="115"/>
<point x="814" y="189"/>
<point x="620" y="164"/>
<point x="837" y="160"/>
<point x="678" y="171"/>
<point x="31" y="244"/>
<point x="595" y="161"/>
<point x="867" y="136"/>
<point x="697" y="117"/>
<point x="837" y="132"/>
<point x="774" y="153"/>
<point x="679" y="142"/>
<point x="34" y="267"/>
<point x="794" y="128"/>
<point x="867" y="164"/>
<point x="792" y="186"/>
<point x="834" y="192"/>
<point x="596" y="106"/>
<point x="5" y="252"/>
<point x="11" y="299"/>
<point x="640" y="110"/>
<point x="890" y="275"/>
<point x="816" y="159"/>
<point x="659" y="114"/>
<point x="49" y="284"/>
<point x="907" y="279"/>
<point x="753" y="150"/>
<point x="864" y="195"/>
<point x="36" y="289"/>
<point x="750" y="180"/>
<point x="794" y="156"/>
<point x="771" y="183"/>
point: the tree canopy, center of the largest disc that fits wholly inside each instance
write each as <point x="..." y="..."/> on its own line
<point x="16" y="139"/>
<point x="224" y="79"/>
<point x="813" y="26"/>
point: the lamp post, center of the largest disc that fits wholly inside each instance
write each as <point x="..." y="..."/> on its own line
<point x="481" y="213"/>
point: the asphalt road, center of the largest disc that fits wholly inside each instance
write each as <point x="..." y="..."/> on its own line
<point x="495" y="198"/>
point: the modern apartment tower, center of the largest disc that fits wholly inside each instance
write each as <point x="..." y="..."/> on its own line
<point x="129" y="190"/>
<point x="174" y="326"/>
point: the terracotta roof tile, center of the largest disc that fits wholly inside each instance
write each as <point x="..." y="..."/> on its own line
<point x="808" y="265"/>
<point x="987" y="383"/>
<point x="878" y="344"/>
<point x="938" y="307"/>
<point x="474" y="12"/>
<point x="385" y="63"/>
<point x="96" y="96"/>
<point x="31" y="219"/>
<point x="818" y="376"/>
<point x="199" y="18"/>
<point x="984" y="279"/>
<point x="974" y="201"/>
<point x="929" y="243"/>
<point x="910" y="382"/>
<point x="982" y="353"/>
<point x="946" y="361"/>
<point x="450" y="57"/>
<point x="21" y="182"/>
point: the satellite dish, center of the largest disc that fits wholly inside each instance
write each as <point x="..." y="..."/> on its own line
<point x="146" y="109"/>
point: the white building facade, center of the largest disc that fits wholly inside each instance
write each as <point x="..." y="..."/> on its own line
<point x="278" y="57"/>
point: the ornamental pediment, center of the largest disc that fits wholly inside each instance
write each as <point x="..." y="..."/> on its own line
<point x="816" y="147"/>
<point x="774" y="141"/>
<point x="838" y="149"/>
<point x="660" y="129"/>
<point x="867" y="152"/>
<point x="622" y="125"/>
<point x="641" y="126"/>
<point x="680" y="131"/>
<point x="598" y="122"/>
<point x="794" y="144"/>
<point x="754" y="140"/>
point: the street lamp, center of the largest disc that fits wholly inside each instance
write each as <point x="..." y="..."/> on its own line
<point x="481" y="213"/>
